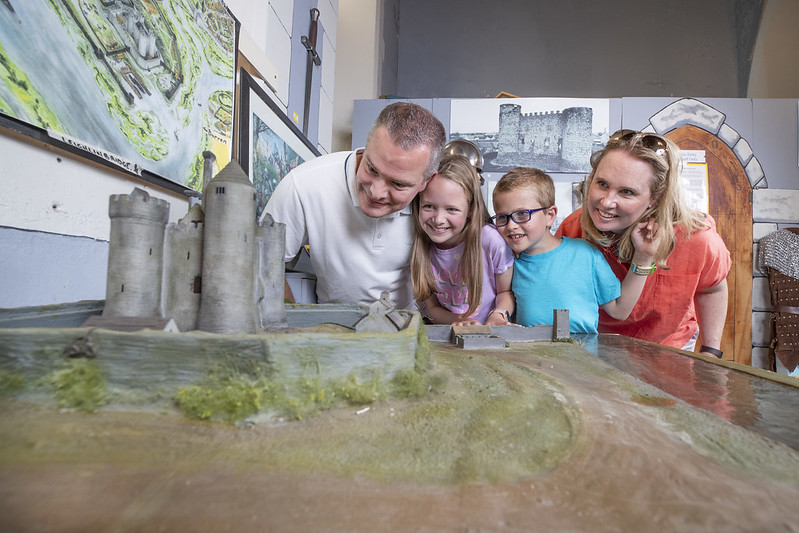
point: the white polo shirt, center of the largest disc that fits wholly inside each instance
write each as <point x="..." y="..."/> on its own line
<point x="355" y="257"/>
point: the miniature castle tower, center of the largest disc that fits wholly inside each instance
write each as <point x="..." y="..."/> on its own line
<point x="183" y="261"/>
<point x="208" y="168"/>
<point x="135" y="255"/>
<point x="216" y="269"/>
<point x="270" y="273"/>
<point x="227" y="302"/>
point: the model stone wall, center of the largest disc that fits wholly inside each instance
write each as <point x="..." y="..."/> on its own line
<point x="183" y="262"/>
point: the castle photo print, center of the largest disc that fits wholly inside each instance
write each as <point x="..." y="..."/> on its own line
<point x="557" y="135"/>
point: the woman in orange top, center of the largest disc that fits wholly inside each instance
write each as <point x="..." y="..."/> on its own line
<point x="637" y="177"/>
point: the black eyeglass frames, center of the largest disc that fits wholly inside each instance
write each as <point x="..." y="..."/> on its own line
<point x="520" y="217"/>
<point x="648" y="140"/>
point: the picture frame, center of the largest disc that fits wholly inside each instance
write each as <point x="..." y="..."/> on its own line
<point x="557" y="135"/>
<point x="142" y="88"/>
<point x="270" y="145"/>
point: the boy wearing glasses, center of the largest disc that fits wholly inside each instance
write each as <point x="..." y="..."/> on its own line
<point x="559" y="272"/>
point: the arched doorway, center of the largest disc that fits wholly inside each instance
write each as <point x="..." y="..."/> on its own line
<point x="730" y="199"/>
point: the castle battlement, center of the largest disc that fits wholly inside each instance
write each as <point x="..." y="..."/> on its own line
<point x="140" y="205"/>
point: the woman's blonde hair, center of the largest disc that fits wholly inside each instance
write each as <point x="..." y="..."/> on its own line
<point x="669" y="208"/>
<point x="457" y="169"/>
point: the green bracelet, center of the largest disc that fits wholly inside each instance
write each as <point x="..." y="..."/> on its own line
<point x="643" y="270"/>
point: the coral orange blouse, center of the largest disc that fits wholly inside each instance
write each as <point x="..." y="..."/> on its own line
<point x="665" y="312"/>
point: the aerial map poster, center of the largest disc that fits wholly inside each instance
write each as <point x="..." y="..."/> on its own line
<point x="143" y="85"/>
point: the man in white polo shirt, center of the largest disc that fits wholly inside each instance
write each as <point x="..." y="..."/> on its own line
<point x="353" y="208"/>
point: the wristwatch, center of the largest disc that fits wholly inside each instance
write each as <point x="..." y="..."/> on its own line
<point x="715" y="351"/>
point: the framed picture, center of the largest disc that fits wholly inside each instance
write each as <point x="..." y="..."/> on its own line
<point x="557" y="135"/>
<point x="270" y="145"/>
<point x="144" y="87"/>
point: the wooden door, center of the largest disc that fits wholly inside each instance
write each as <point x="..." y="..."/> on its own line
<point x="731" y="207"/>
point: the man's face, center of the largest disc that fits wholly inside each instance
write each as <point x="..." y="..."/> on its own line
<point x="388" y="177"/>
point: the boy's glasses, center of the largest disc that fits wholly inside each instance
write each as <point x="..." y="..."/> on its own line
<point x="520" y="217"/>
<point x="648" y="140"/>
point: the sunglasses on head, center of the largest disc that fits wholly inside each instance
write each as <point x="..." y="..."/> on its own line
<point x="648" y="140"/>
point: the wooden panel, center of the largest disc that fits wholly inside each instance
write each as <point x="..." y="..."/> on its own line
<point x="731" y="207"/>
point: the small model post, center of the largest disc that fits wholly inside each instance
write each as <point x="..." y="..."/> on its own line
<point x="208" y="168"/>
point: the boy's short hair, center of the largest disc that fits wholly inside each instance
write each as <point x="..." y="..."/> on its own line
<point x="536" y="180"/>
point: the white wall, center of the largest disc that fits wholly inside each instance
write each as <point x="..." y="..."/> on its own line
<point x="54" y="223"/>
<point x="45" y="189"/>
<point x="775" y="60"/>
<point x="358" y="65"/>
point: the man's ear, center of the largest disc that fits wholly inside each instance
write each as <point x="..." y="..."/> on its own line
<point x="425" y="182"/>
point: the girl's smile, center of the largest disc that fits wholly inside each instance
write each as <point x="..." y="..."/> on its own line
<point x="443" y="212"/>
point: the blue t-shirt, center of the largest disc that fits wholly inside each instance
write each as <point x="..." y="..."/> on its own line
<point x="573" y="276"/>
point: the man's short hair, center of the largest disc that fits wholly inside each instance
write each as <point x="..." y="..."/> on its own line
<point x="410" y="126"/>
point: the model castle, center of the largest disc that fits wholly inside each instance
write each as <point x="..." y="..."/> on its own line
<point x="563" y="136"/>
<point x="216" y="269"/>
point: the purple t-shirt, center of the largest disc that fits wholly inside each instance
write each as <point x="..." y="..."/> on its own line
<point x="452" y="294"/>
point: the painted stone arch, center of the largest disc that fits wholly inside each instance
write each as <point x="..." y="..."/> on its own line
<point x="733" y="172"/>
<point x="692" y="112"/>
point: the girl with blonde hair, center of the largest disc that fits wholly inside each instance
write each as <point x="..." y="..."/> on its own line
<point x="460" y="267"/>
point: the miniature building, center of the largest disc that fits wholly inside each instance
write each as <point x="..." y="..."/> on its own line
<point x="229" y="242"/>
<point x="216" y="270"/>
<point x="135" y="254"/>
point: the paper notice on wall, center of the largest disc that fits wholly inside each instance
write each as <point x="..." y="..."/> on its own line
<point x="694" y="179"/>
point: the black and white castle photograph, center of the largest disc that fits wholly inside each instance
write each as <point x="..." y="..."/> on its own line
<point x="553" y="134"/>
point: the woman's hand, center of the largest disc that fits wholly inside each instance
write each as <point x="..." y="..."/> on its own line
<point x="646" y="239"/>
